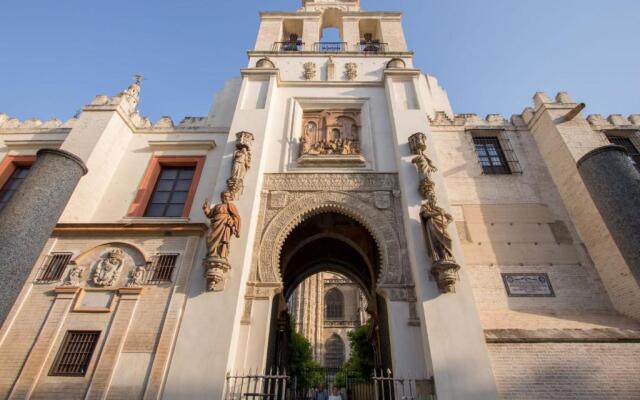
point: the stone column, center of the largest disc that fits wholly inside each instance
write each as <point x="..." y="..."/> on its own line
<point x="614" y="185"/>
<point x="26" y="222"/>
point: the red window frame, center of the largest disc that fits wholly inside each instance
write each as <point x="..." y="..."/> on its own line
<point x="148" y="184"/>
<point x="9" y="164"/>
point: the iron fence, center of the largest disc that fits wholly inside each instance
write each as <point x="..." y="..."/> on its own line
<point x="330" y="47"/>
<point x="278" y="385"/>
<point x="254" y="386"/>
<point x="288" y="46"/>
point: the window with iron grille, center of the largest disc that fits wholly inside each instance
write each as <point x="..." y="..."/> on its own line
<point x="54" y="267"/>
<point x="162" y="268"/>
<point x="491" y="155"/>
<point x="13" y="183"/>
<point x="334" y="355"/>
<point x="75" y="354"/>
<point x="627" y="143"/>
<point x="334" y="304"/>
<point x="171" y="192"/>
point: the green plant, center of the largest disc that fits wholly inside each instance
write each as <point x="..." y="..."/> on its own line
<point x="361" y="363"/>
<point x="302" y="366"/>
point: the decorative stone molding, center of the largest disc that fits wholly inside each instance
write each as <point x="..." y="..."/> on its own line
<point x="309" y="71"/>
<point x="351" y="71"/>
<point x="435" y="220"/>
<point x="164" y="122"/>
<point x="109" y="268"/>
<point x="331" y="69"/>
<point x="33" y="124"/>
<point x="278" y="200"/>
<point x="357" y="196"/>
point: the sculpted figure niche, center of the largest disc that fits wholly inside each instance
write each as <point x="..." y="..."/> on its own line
<point x="330" y="133"/>
<point x="435" y="220"/>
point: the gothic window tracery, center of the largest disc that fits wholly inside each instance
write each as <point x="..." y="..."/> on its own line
<point x="334" y="355"/>
<point x="334" y="304"/>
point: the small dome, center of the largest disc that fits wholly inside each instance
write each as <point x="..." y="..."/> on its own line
<point x="265" y="63"/>
<point x="396" y="63"/>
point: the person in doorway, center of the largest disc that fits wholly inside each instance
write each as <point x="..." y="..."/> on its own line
<point x="335" y="394"/>
<point x="321" y="393"/>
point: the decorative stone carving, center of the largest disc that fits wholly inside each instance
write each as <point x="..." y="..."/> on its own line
<point x="136" y="277"/>
<point x="382" y="200"/>
<point x="241" y="163"/>
<point x="309" y="71"/>
<point x="331" y="70"/>
<point x="164" y="122"/>
<point x="331" y="133"/>
<point x="225" y="223"/>
<point x="109" y="268"/>
<point x="278" y="200"/>
<point x="75" y="275"/>
<point x="435" y="220"/>
<point x="351" y="71"/>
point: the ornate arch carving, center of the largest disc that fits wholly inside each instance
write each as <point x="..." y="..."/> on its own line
<point x="379" y="223"/>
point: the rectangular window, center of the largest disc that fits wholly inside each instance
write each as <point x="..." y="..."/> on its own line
<point x="171" y="192"/>
<point x="75" y="354"/>
<point x="627" y="143"/>
<point x="162" y="268"/>
<point x="168" y="187"/>
<point x="491" y="155"/>
<point x="54" y="267"/>
<point x="13" y="183"/>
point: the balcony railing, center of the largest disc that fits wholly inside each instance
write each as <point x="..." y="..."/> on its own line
<point x="288" y="46"/>
<point x="330" y="47"/>
<point x="333" y="47"/>
<point x="373" y="47"/>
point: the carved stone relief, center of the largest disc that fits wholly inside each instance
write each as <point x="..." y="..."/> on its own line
<point x="136" y="276"/>
<point x="367" y="198"/>
<point x="435" y="220"/>
<point x="109" y="268"/>
<point x="331" y="133"/>
<point x="309" y="71"/>
<point x="351" y="71"/>
<point x="75" y="274"/>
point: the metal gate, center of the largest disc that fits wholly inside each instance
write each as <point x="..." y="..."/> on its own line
<point x="278" y="385"/>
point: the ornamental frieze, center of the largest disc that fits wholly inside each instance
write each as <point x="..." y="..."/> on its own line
<point x="339" y="182"/>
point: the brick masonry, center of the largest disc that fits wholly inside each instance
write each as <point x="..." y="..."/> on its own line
<point x="566" y="371"/>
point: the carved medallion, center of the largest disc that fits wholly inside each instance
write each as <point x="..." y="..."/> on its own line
<point x="109" y="268"/>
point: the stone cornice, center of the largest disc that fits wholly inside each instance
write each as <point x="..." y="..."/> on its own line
<point x="148" y="229"/>
<point x="350" y="54"/>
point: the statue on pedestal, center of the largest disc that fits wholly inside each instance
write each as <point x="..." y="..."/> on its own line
<point x="225" y="223"/>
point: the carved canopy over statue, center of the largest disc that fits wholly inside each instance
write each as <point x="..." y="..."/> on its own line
<point x="330" y="133"/>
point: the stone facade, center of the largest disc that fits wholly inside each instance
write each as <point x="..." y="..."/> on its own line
<point x="173" y="322"/>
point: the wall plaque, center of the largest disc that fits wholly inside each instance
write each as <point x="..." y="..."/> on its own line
<point x="528" y="285"/>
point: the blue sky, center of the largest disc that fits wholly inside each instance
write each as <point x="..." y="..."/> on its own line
<point x="490" y="55"/>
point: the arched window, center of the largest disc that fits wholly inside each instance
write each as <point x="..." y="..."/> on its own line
<point x="334" y="352"/>
<point x="334" y="304"/>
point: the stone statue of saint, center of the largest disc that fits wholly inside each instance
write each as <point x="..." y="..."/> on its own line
<point x="225" y="223"/>
<point x="241" y="163"/>
<point x="435" y="221"/>
<point x="109" y="268"/>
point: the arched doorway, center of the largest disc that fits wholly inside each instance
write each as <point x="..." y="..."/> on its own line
<point x="329" y="241"/>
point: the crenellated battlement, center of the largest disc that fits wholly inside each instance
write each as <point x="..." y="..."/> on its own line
<point x="8" y="123"/>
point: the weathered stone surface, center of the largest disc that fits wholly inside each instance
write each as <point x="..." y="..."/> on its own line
<point x="27" y="221"/>
<point x="614" y="185"/>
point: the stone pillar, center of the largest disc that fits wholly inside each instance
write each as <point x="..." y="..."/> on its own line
<point x="614" y="185"/>
<point x="26" y="222"/>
